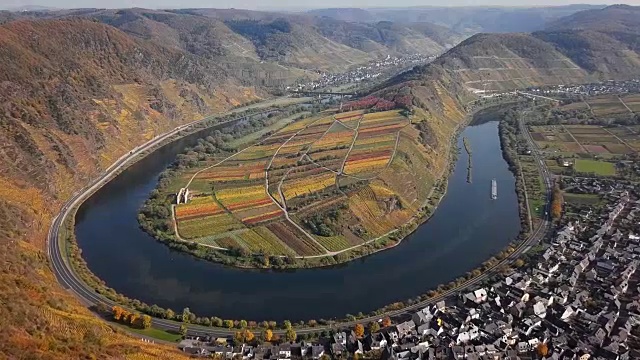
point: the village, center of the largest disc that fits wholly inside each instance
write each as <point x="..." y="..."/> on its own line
<point x="371" y="71"/>
<point x="601" y="88"/>
<point x="577" y="297"/>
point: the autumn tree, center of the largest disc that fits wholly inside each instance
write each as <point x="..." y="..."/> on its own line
<point x="117" y="312"/>
<point x="359" y="330"/>
<point x="267" y="335"/>
<point x="519" y="263"/>
<point x="228" y="324"/>
<point x="244" y="336"/>
<point x="146" y="321"/>
<point x="286" y="324"/>
<point x="264" y="324"/>
<point x="543" y="349"/>
<point x="374" y="327"/>
<point x="243" y="324"/>
<point x="386" y="322"/>
<point x="183" y="329"/>
<point x="312" y="323"/>
<point x="273" y="324"/>
<point x="133" y="318"/>
<point x="556" y="203"/>
<point x="290" y="335"/>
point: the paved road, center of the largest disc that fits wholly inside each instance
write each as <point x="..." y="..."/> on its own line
<point x="70" y="281"/>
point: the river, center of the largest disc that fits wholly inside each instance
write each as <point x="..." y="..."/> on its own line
<point x="466" y="229"/>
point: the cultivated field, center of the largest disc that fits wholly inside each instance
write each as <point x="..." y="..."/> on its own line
<point x="316" y="186"/>
<point x="568" y="140"/>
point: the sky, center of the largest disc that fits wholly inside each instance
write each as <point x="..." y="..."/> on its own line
<point x="291" y="4"/>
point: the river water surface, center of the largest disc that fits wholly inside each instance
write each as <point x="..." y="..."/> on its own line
<point x="466" y="229"/>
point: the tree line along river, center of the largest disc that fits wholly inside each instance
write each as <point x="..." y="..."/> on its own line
<point x="466" y="229"/>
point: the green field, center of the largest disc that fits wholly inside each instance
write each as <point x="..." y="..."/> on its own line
<point x="152" y="333"/>
<point x="581" y="199"/>
<point x="596" y="167"/>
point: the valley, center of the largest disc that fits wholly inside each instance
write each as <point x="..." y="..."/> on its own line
<point x="314" y="187"/>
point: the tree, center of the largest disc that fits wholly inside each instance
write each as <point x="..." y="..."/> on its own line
<point x="146" y="321"/>
<point x="374" y="327"/>
<point x="556" y="203"/>
<point x="543" y="349"/>
<point x="359" y="330"/>
<point x="228" y="324"/>
<point x="186" y="315"/>
<point x="117" y="312"/>
<point x="243" y="336"/>
<point x="273" y="324"/>
<point x="267" y="335"/>
<point x="286" y="324"/>
<point x="248" y="335"/>
<point x="183" y="329"/>
<point x="290" y="335"/>
<point x="519" y="263"/>
<point x="386" y="322"/>
<point x="216" y="321"/>
<point x="264" y="324"/>
<point x="312" y="323"/>
<point x="133" y="317"/>
<point x="169" y="314"/>
<point x="243" y="324"/>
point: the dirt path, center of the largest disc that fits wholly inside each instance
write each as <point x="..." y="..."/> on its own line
<point x="619" y="139"/>
<point x="353" y="143"/>
<point x="625" y="105"/>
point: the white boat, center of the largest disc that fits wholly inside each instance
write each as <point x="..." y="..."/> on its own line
<point x="494" y="189"/>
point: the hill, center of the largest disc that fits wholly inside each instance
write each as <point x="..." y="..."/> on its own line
<point x="265" y="45"/>
<point x="76" y="95"/>
<point x="345" y="14"/>
<point x="612" y="19"/>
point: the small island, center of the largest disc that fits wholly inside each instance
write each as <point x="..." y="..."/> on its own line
<point x="314" y="191"/>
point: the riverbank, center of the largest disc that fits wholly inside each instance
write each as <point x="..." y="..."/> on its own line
<point x="467" y="148"/>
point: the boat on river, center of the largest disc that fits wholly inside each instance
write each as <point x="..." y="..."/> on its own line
<point x="494" y="189"/>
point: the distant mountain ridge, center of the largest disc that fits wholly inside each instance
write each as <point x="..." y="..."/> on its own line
<point x="466" y="20"/>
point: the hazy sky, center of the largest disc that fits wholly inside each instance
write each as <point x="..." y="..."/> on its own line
<point x="280" y="4"/>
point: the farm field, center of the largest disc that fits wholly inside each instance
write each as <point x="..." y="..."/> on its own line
<point x="607" y="105"/>
<point x="311" y="187"/>
<point x="633" y="102"/>
<point x="569" y="140"/>
<point x="595" y="166"/>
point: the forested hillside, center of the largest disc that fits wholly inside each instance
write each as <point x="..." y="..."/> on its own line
<point x="77" y="94"/>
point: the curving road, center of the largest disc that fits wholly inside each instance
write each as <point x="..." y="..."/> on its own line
<point x="70" y="280"/>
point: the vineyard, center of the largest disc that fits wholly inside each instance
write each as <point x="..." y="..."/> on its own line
<point x="316" y="187"/>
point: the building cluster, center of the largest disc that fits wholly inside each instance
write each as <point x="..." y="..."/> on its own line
<point x="607" y="87"/>
<point x="370" y="71"/>
<point x="579" y="300"/>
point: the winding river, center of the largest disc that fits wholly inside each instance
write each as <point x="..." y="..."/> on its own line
<point x="466" y="229"/>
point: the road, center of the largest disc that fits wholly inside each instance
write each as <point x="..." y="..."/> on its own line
<point x="71" y="281"/>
